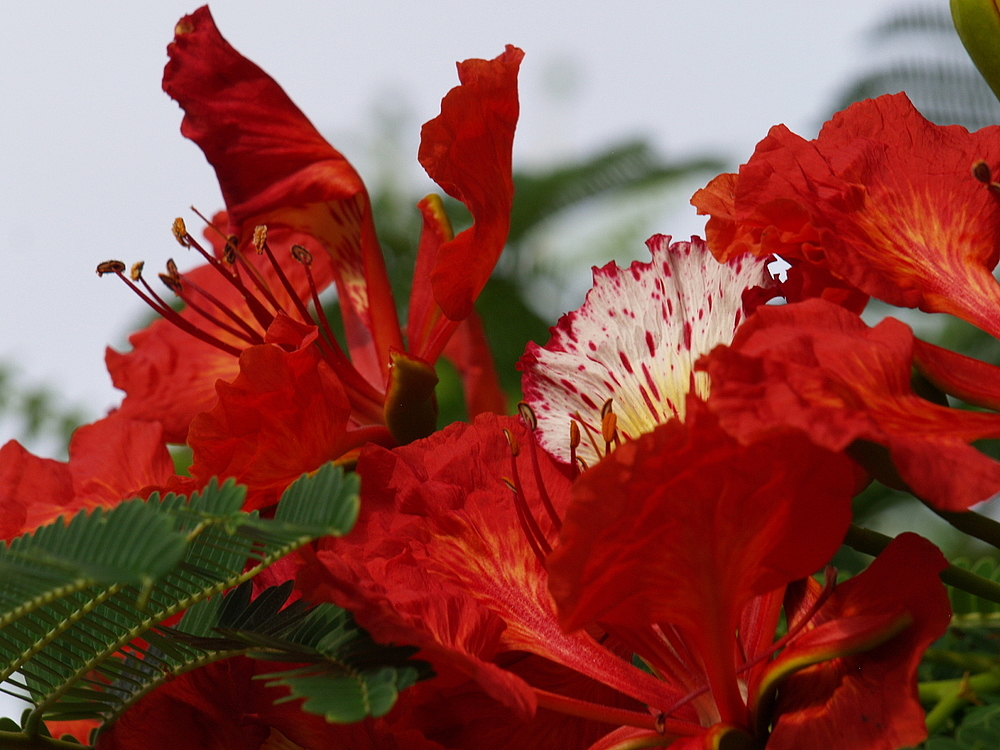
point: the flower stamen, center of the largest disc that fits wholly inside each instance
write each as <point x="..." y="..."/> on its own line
<point x="118" y="268"/>
<point x="981" y="171"/>
<point x="528" y="417"/>
<point x="529" y="525"/>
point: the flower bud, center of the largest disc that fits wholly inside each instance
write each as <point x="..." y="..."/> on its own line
<point x="978" y="25"/>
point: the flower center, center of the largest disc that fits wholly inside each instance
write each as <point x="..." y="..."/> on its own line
<point x="231" y="304"/>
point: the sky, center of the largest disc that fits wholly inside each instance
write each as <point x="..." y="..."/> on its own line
<point x="92" y="164"/>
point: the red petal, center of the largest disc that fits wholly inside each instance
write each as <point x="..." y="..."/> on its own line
<point x="816" y="367"/>
<point x="465" y="718"/>
<point x="882" y="199"/>
<point x="969" y="379"/>
<point x="286" y="413"/>
<point x="469" y="352"/>
<point x="684" y="526"/>
<point x="467" y="151"/>
<point x="868" y="701"/>
<point x="438" y="558"/>
<point x="110" y="460"/>
<point x="26" y="481"/>
<point x="275" y="168"/>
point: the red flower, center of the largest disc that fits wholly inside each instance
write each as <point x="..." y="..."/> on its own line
<point x="669" y="545"/>
<point x="682" y="538"/>
<point x="110" y="460"/>
<point x="883" y="202"/>
<point x="444" y="557"/>
<point x="816" y="367"/>
<point x="275" y="170"/>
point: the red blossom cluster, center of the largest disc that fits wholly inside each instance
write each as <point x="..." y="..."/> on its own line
<point x="628" y="562"/>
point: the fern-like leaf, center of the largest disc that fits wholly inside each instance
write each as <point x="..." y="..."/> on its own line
<point x="74" y="598"/>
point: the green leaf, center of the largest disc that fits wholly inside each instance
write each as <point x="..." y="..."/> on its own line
<point x="980" y="728"/>
<point x="74" y="598"/>
<point x="347" y="675"/>
<point x="345" y="698"/>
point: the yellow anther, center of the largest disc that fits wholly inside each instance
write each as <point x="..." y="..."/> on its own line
<point x="515" y="449"/>
<point x="260" y="238"/>
<point x="609" y="426"/>
<point x="527" y="416"/>
<point x="180" y="232"/>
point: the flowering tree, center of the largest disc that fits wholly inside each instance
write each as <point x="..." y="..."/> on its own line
<point x="639" y="557"/>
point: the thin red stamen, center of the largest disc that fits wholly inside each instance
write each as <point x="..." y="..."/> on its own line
<point x="615" y="716"/>
<point x="528" y="417"/>
<point x="521" y="502"/>
<point x="661" y="656"/>
<point x="261" y="313"/>
<point x="254" y="336"/>
<point x="195" y="307"/>
<point x="539" y="554"/>
<point x="304" y="257"/>
<point x="170" y="314"/>
<point x="542" y="492"/>
<point x="830" y="584"/>
<point x="289" y="289"/>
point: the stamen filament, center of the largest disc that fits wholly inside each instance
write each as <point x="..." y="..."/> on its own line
<point x="170" y="314"/>
<point x="521" y="501"/>
<point x="289" y="289"/>
<point x="614" y="716"/>
<point x="542" y="492"/>
<point x="261" y="313"/>
<point x="195" y="307"/>
<point x="304" y="257"/>
<point x="255" y="337"/>
<point x="539" y="554"/>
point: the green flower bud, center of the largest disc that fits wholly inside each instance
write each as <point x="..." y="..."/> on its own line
<point x="978" y="26"/>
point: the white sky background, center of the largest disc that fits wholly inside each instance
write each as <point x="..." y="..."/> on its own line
<point x="92" y="164"/>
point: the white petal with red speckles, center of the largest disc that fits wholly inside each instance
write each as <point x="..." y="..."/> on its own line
<point x="635" y="340"/>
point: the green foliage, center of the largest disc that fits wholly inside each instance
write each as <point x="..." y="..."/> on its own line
<point x="627" y="166"/>
<point x="979" y="730"/>
<point x="346" y="677"/>
<point x="74" y="598"/>
<point x="971" y="611"/>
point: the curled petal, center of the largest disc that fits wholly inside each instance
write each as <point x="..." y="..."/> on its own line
<point x="467" y="151"/>
<point x="275" y="169"/>
<point x="110" y="460"/>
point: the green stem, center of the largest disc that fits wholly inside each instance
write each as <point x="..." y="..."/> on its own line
<point x="951" y="695"/>
<point x="21" y="741"/>
<point x="973" y="524"/>
<point x="964" y="660"/>
<point x="872" y="543"/>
